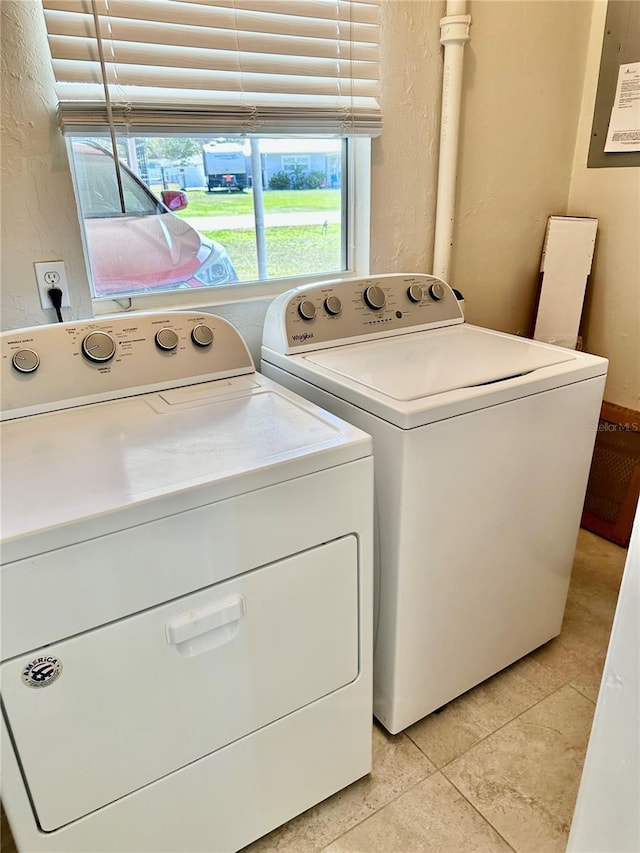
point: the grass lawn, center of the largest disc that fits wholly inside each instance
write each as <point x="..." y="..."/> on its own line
<point x="202" y="203"/>
<point x="290" y="250"/>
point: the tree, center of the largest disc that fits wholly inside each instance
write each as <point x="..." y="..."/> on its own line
<point x="175" y="148"/>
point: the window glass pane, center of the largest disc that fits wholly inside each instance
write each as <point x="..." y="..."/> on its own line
<point x="99" y="196"/>
<point x="191" y="207"/>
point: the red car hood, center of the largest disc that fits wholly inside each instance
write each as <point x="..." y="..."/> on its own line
<point x="141" y="252"/>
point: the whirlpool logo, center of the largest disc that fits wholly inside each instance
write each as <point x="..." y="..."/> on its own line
<point x="42" y="671"/>
<point x="305" y="336"/>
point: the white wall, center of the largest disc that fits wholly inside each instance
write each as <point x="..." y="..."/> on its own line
<point x="612" y="318"/>
<point x="405" y="157"/>
<point x="606" y="816"/>
<point x="523" y="77"/>
<point x="38" y="216"/>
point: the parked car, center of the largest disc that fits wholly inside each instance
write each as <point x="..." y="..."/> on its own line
<point x="147" y="248"/>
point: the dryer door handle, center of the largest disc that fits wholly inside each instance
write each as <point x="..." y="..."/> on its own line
<point x="198" y="630"/>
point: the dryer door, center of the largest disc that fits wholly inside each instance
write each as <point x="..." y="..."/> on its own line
<point x="144" y="696"/>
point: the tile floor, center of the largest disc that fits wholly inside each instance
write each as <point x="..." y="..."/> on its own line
<point x="497" y="769"/>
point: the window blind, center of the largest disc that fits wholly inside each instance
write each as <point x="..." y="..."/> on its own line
<point x="229" y="66"/>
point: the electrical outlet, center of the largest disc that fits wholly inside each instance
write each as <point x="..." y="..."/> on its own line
<point x="52" y="274"/>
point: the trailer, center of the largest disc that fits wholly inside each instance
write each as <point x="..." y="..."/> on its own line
<point x="225" y="167"/>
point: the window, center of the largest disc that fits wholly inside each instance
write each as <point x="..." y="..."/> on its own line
<point x="213" y="143"/>
<point x="189" y="221"/>
<point x="291" y="162"/>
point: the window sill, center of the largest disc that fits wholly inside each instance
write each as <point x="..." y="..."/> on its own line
<point x="202" y="297"/>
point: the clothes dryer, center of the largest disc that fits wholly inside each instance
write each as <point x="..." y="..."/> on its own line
<point x="186" y="590"/>
<point x="482" y="445"/>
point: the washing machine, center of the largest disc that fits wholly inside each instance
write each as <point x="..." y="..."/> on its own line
<point x="186" y="590"/>
<point x="482" y="445"/>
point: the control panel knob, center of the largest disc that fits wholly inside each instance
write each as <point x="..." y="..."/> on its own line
<point x="25" y="360"/>
<point x="307" y="310"/>
<point x="202" y="335"/>
<point x="99" y="347"/>
<point x="166" y="339"/>
<point x="374" y="297"/>
<point x="332" y="305"/>
<point x="437" y="290"/>
<point x="415" y="293"/>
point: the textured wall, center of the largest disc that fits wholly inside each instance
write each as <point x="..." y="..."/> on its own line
<point x="612" y="318"/>
<point x="405" y="157"/>
<point x="523" y="76"/>
<point x="38" y="215"/>
<point x="248" y="318"/>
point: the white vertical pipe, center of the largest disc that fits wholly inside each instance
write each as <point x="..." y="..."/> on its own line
<point x="454" y="34"/>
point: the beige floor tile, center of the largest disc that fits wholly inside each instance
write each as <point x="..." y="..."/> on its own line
<point x="581" y="646"/>
<point x="524" y="778"/>
<point x="591" y="611"/>
<point x="598" y="560"/>
<point x="580" y="650"/>
<point x="598" y="599"/>
<point x="484" y="709"/>
<point x="432" y="816"/>
<point x="588" y="682"/>
<point x="397" y="765"/>
<point x="561" y="658"/>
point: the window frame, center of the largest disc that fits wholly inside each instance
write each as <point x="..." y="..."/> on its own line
<point x="356" y="213"/>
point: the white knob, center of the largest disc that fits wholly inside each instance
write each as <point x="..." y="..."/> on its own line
<point x="415" y="293"/>
<point x="99" y="347"/>
<point x="437" y="290"/>
<point x="202" y="335"/>
<point x="166" y="339"/>
<point x="25" y="360"/>
<point x="332" y="305"/>
<point x="374" y="297"/>
<point x="307" y="310"/>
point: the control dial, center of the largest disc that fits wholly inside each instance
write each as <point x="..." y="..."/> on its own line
<point x="307" y="310"/>
<point x="332" y="305"/>
<point x="202" y="335"/>
<point x="437" y="290"/>
<point x="166" y="339"/>
<point x="99" y="347"/>
<point x="25" y="360"/>
<point x="374" y="297"/>
<point x="415" y="293"/>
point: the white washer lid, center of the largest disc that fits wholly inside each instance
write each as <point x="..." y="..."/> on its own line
<point x="422" y="364"/>
<point x="79" y="473"/>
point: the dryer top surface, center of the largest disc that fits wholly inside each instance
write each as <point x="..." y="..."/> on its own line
<point x="81" y="472"/>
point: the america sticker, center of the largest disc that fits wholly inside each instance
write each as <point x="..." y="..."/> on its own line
<point x="42" y="671"/>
